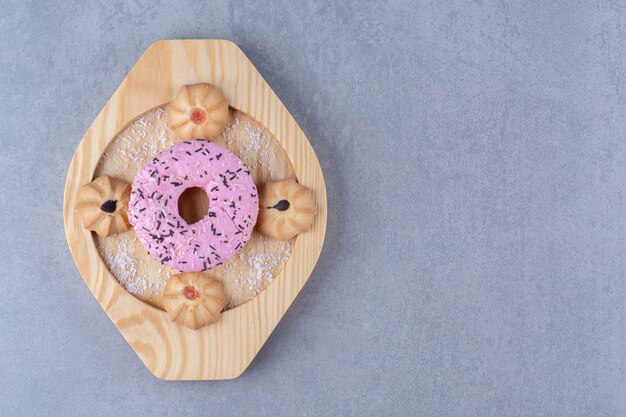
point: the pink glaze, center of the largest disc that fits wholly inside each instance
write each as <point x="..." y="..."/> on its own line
<point x="233" y="206"/>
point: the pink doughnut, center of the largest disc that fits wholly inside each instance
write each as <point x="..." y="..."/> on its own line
<point x="233" y="206"/>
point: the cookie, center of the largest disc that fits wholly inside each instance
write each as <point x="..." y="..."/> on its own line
<point x="286" y="208"/>
<point x="103" y="206"/>
<point x="199" y="111"/>
<point x="193" y="300"/>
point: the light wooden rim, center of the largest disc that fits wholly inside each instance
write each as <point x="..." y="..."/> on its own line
<point x="223" y="350"/>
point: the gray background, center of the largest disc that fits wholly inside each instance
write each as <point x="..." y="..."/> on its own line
<point x="475" y="160"/>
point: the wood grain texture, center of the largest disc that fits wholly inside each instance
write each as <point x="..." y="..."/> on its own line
<point x="223" y="350"/>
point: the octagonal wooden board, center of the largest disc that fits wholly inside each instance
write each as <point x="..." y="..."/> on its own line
<point x="225" y="349"/>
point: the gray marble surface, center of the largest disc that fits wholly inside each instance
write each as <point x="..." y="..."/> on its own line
<point x="475" y="156"/>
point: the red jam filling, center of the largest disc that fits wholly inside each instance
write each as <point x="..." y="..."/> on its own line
<point x="190" y="293"/>
<point x="198" y="116"/>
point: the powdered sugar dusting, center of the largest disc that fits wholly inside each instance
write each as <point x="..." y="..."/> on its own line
<point x="259" y="144"/>
<point x="252" y="270"/>
<point x="255" y="144"/>
<point x="145" y="137"/>
<point x="121" y="256"/>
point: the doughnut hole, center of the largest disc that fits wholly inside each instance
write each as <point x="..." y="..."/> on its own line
<point x="193" y="205"/>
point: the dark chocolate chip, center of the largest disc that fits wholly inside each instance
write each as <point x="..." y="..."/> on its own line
<point x="282" y="205"/>
<point x="109" y="206"/>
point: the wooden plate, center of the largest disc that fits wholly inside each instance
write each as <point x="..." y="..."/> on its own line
<point x="223" y="350"/>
